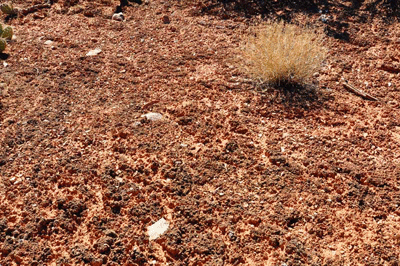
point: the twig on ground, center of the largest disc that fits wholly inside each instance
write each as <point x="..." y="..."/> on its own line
<point x="33" y="9"/>
<point x="358" y="92"/>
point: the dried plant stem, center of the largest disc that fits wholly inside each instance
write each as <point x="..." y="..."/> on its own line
<point x="358" y="92"/>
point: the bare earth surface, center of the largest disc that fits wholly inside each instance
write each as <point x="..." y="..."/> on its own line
<point x="243" y="175"/>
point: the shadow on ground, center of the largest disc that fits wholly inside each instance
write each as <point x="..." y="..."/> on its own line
<point x="4" y="56"/>
<point x="251" y="8"/>
<point x="295" y="96"/>
<point x="358" y="10"/>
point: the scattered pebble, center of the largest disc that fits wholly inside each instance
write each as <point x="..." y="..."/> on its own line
<point x="166" y="20"/>
<point x="324" y="18"/>
<point x="153" y="116"/>
<point x="157" y="229"/>
<point x="48" y="42"/>
<point x="94" y="52"/>
<point x="118" y="16"/>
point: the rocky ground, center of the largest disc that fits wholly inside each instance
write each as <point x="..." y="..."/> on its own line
<point x="243" y="175"/>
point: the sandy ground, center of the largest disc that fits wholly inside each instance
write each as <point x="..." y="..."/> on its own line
<point x="243" y="175"/>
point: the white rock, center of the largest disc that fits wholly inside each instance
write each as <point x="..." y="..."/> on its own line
<point x="153" y="116"/>
<point x="118" y="16"/>
<point x="94" y="52"/>
<point x="157" y="229"/>
<point x="48" y="42"/>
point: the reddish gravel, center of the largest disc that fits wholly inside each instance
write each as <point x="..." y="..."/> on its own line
<point x="244" y="175"/>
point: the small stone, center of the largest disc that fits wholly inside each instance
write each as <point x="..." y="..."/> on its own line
<point x="323" y="18"/>
<point x="97" y="262"/>
<point x="89" y="13"/>
<point x="48" y="42"/>
<point x="157" y="229"/>
<point x="104" y="249"/>
<point x="94" y="52"/>
<point x="166" y="20"/>
<point x="111" y="233"/>
<point x="118" y="16"/>
<point x="153" y="116"/>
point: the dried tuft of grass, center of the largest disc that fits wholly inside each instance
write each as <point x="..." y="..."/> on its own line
<point x="278" y="53"/>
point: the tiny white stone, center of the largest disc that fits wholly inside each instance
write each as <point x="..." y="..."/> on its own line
<point x="118" y="16"/>
<point x="94" y="52"/>
<point x="157" y="229"/>
<point x="153" y="116"/>
<point x="48" y="42"/>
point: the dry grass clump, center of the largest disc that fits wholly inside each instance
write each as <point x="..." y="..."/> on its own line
<point x="277" y="53"/>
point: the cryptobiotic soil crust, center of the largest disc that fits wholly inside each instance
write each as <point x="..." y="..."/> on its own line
<point x="243" y="174"/>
